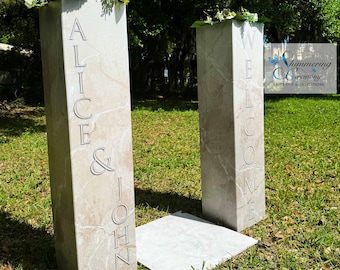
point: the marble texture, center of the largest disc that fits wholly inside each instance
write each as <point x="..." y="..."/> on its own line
<point x="230" y="93"/>
<point x="87" y="100"/>
<point x="182" y="241"/>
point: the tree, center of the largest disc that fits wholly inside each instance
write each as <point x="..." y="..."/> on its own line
<point x="19" y="27"/>
<point x="160" y="35"/>
<point x="329" y="18"/>
<point x="162" y="43"/>
<point x="161" y="40"/>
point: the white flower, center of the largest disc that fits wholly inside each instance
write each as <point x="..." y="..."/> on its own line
<point x="29" y="3"/>
<point x="219" y="16"/>
<point x="208" y="20"/>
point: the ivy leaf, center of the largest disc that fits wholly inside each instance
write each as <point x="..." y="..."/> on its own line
<point x="240" y="17"/>
<point x="198" y="24"/>
<point x="264" y="19"/>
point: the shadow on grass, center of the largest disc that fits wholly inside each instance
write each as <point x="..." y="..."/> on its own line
<point x="271" y="99"/>
<point x="164" y="104"/>
<point x="14" y="123"/>
<point x="20" y="244"/>
<point x="275" y="97"/>
<point x="184" y="105"/>
<point x="170" y="202"/>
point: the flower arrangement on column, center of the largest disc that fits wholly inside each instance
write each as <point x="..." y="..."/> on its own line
<point x="41" y="3"/>
<point x="226" y="14"/>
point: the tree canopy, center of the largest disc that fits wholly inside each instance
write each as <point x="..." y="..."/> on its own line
<point x="19" y="27"/>
<point x="161" y="42"/>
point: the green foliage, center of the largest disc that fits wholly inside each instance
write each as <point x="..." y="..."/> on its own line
<point x="19" y="27"/>
<point x="328" y="14"/>
<point x="226" y="14"/>
<point x="35" y="3"/>
<point x="6" y="38"/>
<point x="160" y="37"/>
<point x="297" y="21"/>
<point x="40" y="3"/>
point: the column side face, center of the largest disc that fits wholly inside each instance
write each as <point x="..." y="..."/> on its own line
<point x="96" y="72"/>
<point x="249" y="123"/>
<point x="58" y="135"/>
<point x="98" y="95"/>
<point x="216" y="114"/>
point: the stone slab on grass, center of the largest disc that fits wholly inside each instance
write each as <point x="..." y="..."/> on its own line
<point x="183" y="241"/>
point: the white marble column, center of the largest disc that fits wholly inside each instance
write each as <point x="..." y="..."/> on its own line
<point x="87" y="100"/>
<point x="230" y="93"/>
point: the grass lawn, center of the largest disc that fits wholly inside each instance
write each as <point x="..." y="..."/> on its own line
<point x="302" y="143"/>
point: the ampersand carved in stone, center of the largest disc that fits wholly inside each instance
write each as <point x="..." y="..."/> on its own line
<point x="103" y="165"/>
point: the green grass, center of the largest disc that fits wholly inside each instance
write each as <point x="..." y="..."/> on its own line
<point x="302" y="142"/>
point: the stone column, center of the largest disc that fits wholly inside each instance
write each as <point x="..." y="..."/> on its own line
<point x="87" y="100"/>
<point x="230" y="93"/>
